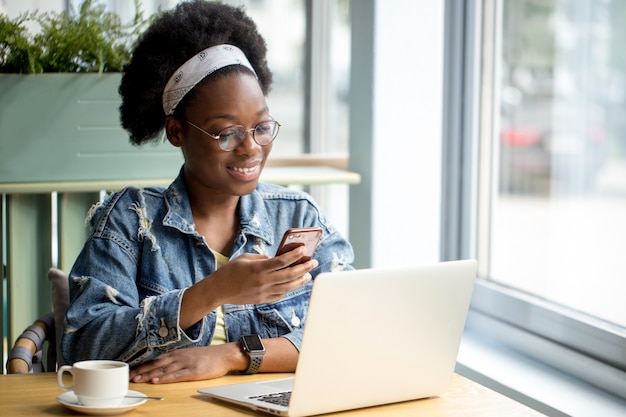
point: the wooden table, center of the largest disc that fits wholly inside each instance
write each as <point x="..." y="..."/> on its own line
<point x="35" y="394"/>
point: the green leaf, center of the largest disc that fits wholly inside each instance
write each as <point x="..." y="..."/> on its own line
<point x="92" y="40"/>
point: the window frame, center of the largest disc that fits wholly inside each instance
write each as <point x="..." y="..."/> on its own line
<point x="582" y="346"/>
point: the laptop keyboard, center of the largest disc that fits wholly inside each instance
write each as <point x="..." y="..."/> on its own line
<point x="278" y="398"/>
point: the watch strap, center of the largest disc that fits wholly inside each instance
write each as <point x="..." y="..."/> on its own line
<point x="256" y="356"/>
<point x="255" y="364"/>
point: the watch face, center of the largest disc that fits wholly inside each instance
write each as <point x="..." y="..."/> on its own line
<point x="253" y="343"/>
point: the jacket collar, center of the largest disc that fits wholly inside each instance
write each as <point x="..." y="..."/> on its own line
<point x="254" y="219"/>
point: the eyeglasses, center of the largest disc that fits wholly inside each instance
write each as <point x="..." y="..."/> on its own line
<point x="230" y="138"/>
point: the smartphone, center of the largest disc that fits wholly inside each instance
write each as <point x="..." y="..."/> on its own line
<point x="308" y="236"/>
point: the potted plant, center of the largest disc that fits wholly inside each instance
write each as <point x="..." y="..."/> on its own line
<point x="92" y="40"/>
<point x="59" y="102"/>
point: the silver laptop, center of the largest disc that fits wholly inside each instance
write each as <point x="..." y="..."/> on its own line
<point x="372" y="337"/>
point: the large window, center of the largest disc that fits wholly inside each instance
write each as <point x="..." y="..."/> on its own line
<point x="308" y="53"/>
<point x="559" y="227"/>
<point x="552" y="185"/>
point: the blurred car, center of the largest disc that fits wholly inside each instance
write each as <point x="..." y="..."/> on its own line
<point x="550" y="146"/>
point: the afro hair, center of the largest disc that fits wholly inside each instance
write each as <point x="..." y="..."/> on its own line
<point x="172" y="38"/>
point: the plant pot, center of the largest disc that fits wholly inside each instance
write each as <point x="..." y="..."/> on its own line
<point x="65" y="128"/>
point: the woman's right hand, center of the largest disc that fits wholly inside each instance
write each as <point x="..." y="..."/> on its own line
<point x="247" y="279"/>
<point x="257" y="279"/>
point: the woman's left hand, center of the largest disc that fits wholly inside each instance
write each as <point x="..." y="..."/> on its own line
<point x="188" y="364"/>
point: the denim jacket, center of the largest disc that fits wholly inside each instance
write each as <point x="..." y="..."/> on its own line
<point x="127" y="283"/>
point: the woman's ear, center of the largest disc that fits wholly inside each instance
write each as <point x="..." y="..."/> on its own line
<point x="174" y="131"/>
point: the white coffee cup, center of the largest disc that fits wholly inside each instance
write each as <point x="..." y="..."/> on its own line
<point x="97" y="383"/>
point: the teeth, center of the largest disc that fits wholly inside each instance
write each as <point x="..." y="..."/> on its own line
<point x="245" y="170"/>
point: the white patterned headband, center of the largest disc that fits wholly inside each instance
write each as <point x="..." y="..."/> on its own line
<point x="196" y="69"/>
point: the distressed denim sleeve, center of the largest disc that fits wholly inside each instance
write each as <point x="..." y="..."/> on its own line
<point x="107" y="319"/>
<point x="295" y="338"/>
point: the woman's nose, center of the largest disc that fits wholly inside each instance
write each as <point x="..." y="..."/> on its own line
<point x="248" y="146"/>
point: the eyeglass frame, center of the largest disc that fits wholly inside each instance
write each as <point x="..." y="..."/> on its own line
<point x="250" y="130"/>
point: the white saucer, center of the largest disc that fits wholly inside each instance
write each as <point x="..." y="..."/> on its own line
<point x="69" y="400"/>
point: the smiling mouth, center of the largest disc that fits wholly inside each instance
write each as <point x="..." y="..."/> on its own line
<point x="245" y="170"/>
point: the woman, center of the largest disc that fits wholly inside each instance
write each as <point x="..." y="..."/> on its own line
<point x="178" y="282"/>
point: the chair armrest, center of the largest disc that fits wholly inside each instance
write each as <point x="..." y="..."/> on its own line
<point x="27" y="346"/>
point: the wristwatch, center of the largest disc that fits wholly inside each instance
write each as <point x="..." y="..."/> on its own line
<point x="252" y="345"/>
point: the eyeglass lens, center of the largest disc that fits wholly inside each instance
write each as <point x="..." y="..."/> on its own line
<point x="263" y="134"/>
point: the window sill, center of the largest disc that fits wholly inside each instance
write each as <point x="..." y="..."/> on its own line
<point x="531" y="382"/>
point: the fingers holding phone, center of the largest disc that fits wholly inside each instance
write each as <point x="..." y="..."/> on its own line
<point x="256" y="279"/>
<point x="294" y="238"/>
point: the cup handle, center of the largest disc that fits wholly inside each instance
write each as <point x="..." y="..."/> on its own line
<point x="63" y="369"/>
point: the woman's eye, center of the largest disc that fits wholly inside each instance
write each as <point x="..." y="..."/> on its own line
<point x="228" y="134"/>
<point x="263" y="129"/>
